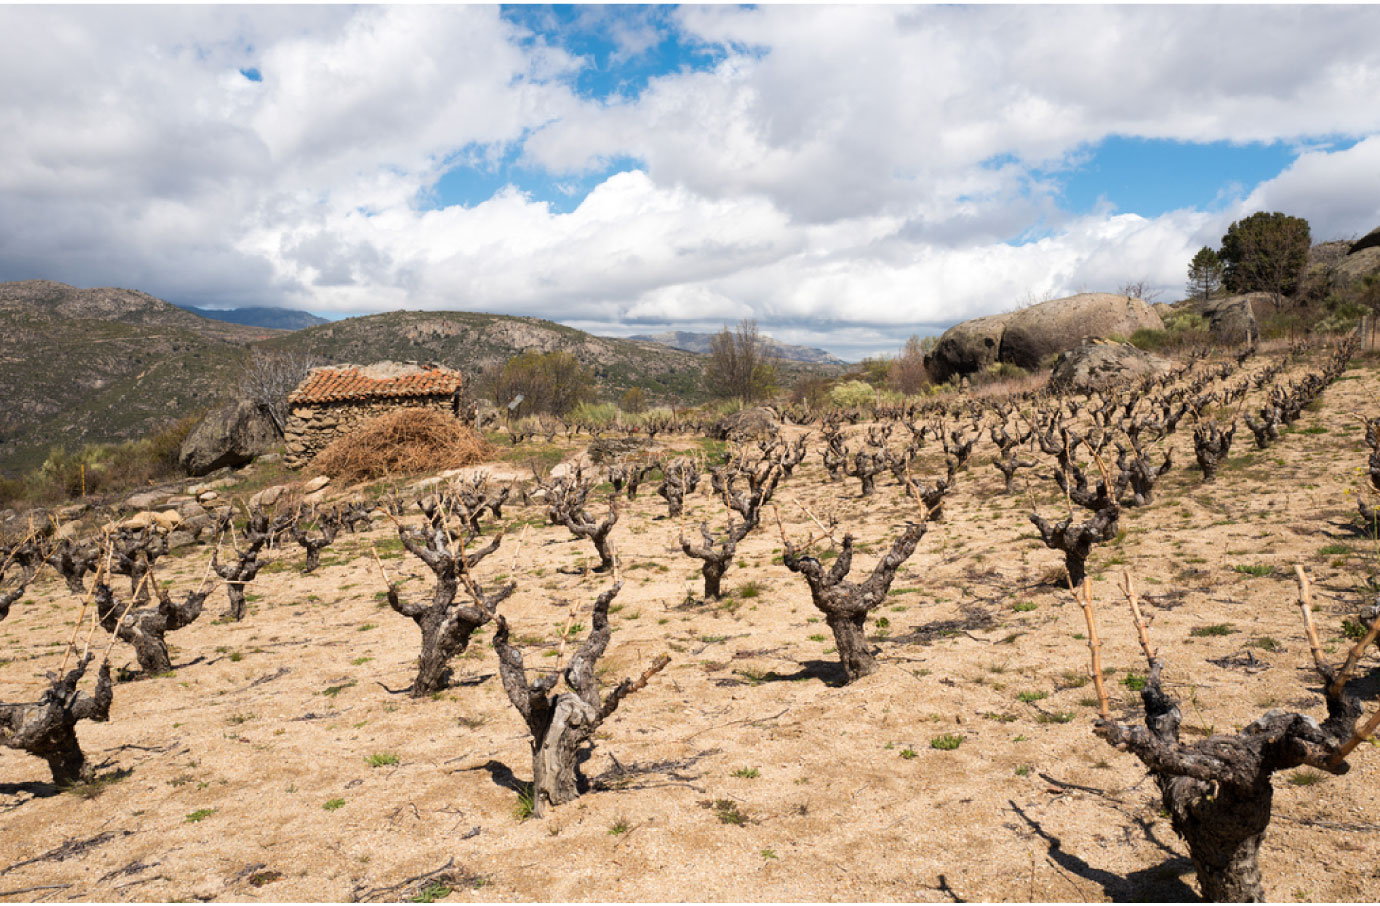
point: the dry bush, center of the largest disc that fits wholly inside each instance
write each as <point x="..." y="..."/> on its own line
<point x="399" y="443"/>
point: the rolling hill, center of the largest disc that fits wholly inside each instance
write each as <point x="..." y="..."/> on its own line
<point x="85" y="366"/>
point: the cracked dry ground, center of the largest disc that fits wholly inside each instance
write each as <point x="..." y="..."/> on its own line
<point x="247" y="774"/>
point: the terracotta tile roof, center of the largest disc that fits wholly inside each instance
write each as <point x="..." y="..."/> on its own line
<point x="350" y="383"/>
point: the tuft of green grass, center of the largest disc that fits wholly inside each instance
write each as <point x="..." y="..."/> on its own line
<point x="1024" y="606"/>
<point x="1267" y="643"/>
<point x="727" y="811"/>
<point x="333" y="691"/>
<point x="747" y="773"/>
<point x="1306" y="777"/>
<point x="1023" y="770"/>
<point x="947" y="742"/>
<point x="1028" y="697"/>
<point x="1055" y="717"/>
<point x="1354" y="629"/>
<point x="1199" y="632"/>
<point x="526" y="802"/>
<point x="333" y="804"/>
<point x="1259" y="570"/>
<point x="908" y="753"/>
<point x="1134" y="681"/>
<point x="261" y="878"/>
<point x="200" y="814"/>
<point x="749" y="590"/>
<point x="379" y="759"/>
<point x="432" y="892"/>
<point x="619" y="828"/>
<point x="90" y="789"/>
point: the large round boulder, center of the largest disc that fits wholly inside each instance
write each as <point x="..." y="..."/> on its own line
<point x="230" y="436"/>
<point x="1096" y="364"/>
<point x="1369" y="241"/>
<point x="967" y="347"/>
<point x="1232" y="318"/>
<point x="748" y="424"/>
<point x="1052" y="327"/>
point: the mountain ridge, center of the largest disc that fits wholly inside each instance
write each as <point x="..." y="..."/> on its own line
<point x="692" y="341"/>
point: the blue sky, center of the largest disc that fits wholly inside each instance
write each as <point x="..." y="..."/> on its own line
<point x="846" y="175"/>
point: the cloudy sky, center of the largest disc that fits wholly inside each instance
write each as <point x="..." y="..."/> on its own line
<point x="846" y="175"/>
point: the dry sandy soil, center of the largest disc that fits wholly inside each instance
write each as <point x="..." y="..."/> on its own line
<point x="245" y="775"/>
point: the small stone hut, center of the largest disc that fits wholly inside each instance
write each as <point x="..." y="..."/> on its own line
<point x="335" y="399"/>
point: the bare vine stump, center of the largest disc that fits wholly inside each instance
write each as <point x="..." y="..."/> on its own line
<point x="1009" y="464"/>
<point x="315" y="541"/>
<point x="8" y="598"/>
<point x="73" y="561"/>
<point x="47" y="728"/>
<point x="1211" y="445"/>
<point x="562" y="724"/>
<point x="845" y="604"/>
<point x="1135" y="483"/>
<point x="446" y="624"/>
<point x="582" y="525"/>
<point x="717" y="558"/>
<point x="677" y="480"/>
<point x="1218" y="791"/>
<point x="134" y="553"/>
<point x="866" y="468"/>
<point x="1075" y="540"/>
<point x="144" y="628"/>
<point x="258" y="532"/>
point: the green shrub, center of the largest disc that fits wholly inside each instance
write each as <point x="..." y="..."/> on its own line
<point x="852" y="394"/>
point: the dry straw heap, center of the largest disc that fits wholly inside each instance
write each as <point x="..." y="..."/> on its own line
<point x="334" y="401"/>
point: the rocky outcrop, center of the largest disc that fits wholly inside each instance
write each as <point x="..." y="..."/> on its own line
<point x="1356" y="265"/>
<point x="1053" y="327"/>
<point x="230" y="436"/>
<point x="967" y="347"/>
<point x="1096" y="363"/>
<point x="748" y="424"/>
<point x="1026" y="337"/>
<point x="1369" y="241"/>
<point x="1232" y="318"/>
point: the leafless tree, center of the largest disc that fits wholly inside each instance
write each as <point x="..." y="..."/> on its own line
<point x="270" y="379"/>
<point x="738" y="365"/>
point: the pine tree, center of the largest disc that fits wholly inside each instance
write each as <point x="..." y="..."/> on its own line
<point x="1267" y="253"/>
<point x="1204" y="274"/>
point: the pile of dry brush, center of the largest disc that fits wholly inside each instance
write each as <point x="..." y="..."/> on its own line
<point x="402" y="443"/>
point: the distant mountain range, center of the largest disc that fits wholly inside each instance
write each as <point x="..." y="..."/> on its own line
<point x="86" y="366"/>
<point x="260" y="316"/>
<point x="699" y="342"/>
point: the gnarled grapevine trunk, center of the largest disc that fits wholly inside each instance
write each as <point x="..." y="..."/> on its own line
<point x="446" y="624"/>
<point x="47" y="728"/>
<point x="144" y="628"/>
<point x="562" y="724"/>
<point x="1218" y="791"/>
<point x="716" y="557"/>
<point x="845" y="604"/>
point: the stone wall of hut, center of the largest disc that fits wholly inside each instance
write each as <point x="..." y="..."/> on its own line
<point x="312" y="426"/>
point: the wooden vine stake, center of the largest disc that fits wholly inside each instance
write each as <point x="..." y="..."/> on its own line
<point x="1095" y="650"/>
